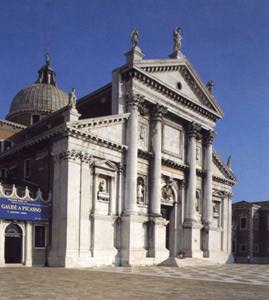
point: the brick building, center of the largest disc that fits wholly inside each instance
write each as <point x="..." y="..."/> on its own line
<point x="251" y="232"/>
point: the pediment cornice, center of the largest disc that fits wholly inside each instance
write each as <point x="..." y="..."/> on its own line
<point x="228" y="174"/>
<point x="170" y="92"/>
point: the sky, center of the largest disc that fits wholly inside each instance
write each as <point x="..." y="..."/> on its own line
<point x="225" y="40"/>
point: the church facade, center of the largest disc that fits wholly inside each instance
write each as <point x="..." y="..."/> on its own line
<point x="129" y="169"/>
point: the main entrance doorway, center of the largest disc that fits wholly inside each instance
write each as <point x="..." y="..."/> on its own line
<point x="166" y="214"/>
<point x="13" y="244"/>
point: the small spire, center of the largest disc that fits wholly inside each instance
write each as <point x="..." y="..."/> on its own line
<point x="229" y="162"/>
<point x="210" y="85"/>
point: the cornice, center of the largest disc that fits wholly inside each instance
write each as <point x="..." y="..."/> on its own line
<point x="169" y="92"/>
<point x="100" y="121"/>
<point x="75" y="155"/>
<point x="144" y="154"/>
<point x="172" y="164"/>
<point x="12" y="124"/>
<point x="35" y="140"/>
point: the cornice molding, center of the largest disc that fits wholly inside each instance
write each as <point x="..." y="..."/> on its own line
<point x="102" y="121"/>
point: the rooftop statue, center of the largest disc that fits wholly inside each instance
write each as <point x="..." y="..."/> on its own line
<point x="134" y="38"/>
<point x="72" y="98"/>
<point x="177" y="38"/>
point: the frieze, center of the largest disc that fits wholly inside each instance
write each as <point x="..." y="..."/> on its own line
<point x="75" y="155"/>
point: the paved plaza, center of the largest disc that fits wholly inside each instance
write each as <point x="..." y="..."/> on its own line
<point x="218" y="282"/>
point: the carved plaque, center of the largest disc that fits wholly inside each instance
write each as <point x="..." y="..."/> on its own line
<point x="172" y="140"/>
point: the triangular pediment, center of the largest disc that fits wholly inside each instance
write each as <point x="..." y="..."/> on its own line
<point x="180" y="76"/>
<point x="105" y="165"/>
<point x="108" y="127"/>
<point x="221" y="170"/>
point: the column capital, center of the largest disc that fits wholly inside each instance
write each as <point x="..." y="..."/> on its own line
<point x="181" y="184"/>
<point x="193" y="130"/>
<point x="158" y="112"/>
<point x="209" y="137"/>
<point x="134" y="101"/>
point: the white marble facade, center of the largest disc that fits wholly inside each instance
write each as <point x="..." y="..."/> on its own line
<point x="144" y="183"/>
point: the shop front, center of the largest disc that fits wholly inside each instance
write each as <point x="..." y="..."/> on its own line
<point x="24" y="224"/>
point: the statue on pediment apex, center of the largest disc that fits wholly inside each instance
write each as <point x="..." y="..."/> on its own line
<point x="134" y="38"/>
<point x="177" y="38"/>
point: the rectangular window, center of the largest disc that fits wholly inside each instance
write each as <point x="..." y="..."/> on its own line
<point x="27" y="168"/>
<point x="40" y="236"/>
<point x="243" y="223"/>
<point x="243" y="248"/>
<point x="35" y="119"/>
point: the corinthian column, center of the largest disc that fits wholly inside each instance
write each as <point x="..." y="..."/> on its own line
<point x="157" y="116"/>
<point x="133" y="103"/>
<point x="207" y="212"/>
<point x="193" y="130"/>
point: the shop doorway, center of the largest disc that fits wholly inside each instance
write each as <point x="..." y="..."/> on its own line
<point x="13" y="244"/>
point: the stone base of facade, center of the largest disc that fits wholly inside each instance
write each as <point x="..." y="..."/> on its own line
<point x="192" y="240"/>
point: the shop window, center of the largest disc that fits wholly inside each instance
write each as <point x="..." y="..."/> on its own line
<point x="243" y="223"/>
<point x="35" y="119"/>
<point x="27" y="168"/>
<point x="40" y="236"/>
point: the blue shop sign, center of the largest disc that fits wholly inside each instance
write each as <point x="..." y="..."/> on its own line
<point x="24" y="210"/>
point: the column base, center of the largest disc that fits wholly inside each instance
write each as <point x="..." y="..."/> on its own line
<point x="157" y="238"/>
<point x="134" y="246"/>
<point x="192" y="239"/>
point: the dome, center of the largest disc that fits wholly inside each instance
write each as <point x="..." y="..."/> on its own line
<point x="42" y="97"/>
<point x="39" y="97"/>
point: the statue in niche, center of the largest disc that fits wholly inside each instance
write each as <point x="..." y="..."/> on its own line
<point x="134" y="38"/>
<point x="101" y="187"/>
<point x="167" y="192"/>
<point x="142" y="133"/>
<point x="177" y="35"/>
<point x="140" y="190"/>
<point x="215" y="208"/>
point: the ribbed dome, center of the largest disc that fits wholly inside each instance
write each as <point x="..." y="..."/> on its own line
<point x="39" y="97"/>
<point x="43" y="97"/>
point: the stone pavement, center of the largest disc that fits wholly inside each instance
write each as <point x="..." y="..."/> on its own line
<point x="245" y="274"/>
<point x="237" y="282"/>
